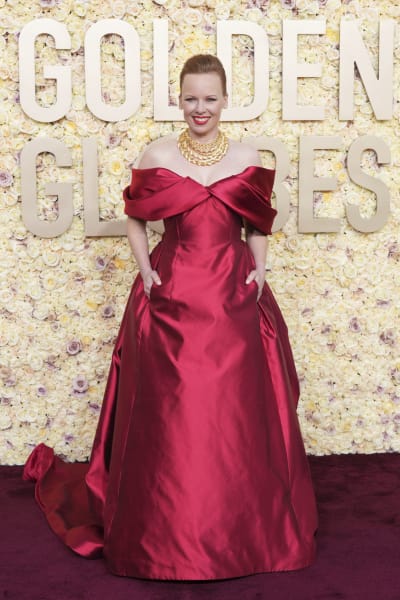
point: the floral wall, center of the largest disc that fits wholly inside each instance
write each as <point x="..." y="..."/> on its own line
<point x="61" y="299"/>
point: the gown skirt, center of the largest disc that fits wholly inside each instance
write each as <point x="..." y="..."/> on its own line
<point x="198" y="469"/>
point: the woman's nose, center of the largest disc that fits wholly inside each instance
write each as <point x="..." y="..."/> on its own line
<point x="200" y="106"/>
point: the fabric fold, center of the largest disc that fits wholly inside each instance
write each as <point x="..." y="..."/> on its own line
<point x="148" y="197"/>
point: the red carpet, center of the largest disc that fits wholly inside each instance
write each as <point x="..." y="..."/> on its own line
<point x="358" y="546"/>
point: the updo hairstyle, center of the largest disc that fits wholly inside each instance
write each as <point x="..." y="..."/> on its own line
<point x="204" y="63"/>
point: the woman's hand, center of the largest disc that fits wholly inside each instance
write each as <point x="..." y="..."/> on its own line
<point x="150" y="277"/>
<point x="257" y="275"/>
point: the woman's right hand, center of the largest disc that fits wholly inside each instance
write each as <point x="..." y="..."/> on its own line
<point x="150" y="278"/>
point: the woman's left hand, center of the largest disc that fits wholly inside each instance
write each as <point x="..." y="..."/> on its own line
<point x="257" y="275"/>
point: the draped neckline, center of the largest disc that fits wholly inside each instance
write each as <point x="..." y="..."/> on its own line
<point x="158" y="193"/>
<point x="209" y="185"/>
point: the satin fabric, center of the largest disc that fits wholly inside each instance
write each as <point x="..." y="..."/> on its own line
<point x="198" y="469"/>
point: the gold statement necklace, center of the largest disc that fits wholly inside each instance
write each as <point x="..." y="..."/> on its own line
<point x="202" y="154"/>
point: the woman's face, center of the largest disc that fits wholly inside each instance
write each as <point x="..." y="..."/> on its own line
<point x="202" y="100"/>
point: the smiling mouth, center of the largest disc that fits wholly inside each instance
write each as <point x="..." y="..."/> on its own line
<point x="200" y="120"/>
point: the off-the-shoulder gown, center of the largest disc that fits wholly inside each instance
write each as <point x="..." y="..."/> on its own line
<point x="198" y="468"/>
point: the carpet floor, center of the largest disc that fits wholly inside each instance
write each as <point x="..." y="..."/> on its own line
<point x="358" y="546"/>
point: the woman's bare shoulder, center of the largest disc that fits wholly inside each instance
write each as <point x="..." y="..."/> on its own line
<point x="244" y="152"/>
<point x="157" y="153"/>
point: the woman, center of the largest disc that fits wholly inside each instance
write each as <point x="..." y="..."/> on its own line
<point x="198" y="469"/>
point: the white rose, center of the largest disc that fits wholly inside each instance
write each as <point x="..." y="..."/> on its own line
<point x="5" y="421"/>
<point x="254" y="15"/>
<point x="118" y="8"/>
<point x="50" y="259"/>
<point x="35" y="362"/>
<point x="41" y="311"/>
<point x="79" y="8"/>
<point x="222" y="11"/>
<point x="192" y="16"/>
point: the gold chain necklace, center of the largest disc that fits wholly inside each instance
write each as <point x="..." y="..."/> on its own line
<point x="202" y="154"/>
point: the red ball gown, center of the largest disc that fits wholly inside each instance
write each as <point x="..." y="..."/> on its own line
<point x="198" y="469"/>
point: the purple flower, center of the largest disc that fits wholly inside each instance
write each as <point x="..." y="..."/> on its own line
<point x="100" y="263"/>
<point x="41" y="391"/>
<point x="108" y="311"/>
<point x="51" y="362"/>
<point x="288" y="3"/>
<point x="388" y="337"/>
<point x="317" y="196"/>
<point x="80" y="385"/>
<point x="394" y="250"/>
<point x="354" y="325"/>
<point x="6" y="179"/>
<point x="261" y="4"/>
<point x="11" y="380"/>
<point x="208" y="28"/>
<point x="112" y="140"/>
<point x="330" y="429"/>
<point x="79" y="277"/>
<point x="383" y="302"/>
<point x="74" y="347"/>
<point x="358" y="292"/>
<point x="308" y="415"/>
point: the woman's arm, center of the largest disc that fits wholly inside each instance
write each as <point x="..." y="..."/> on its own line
<point x="137" y="236"/>
<point x="258" y="244"/>
<point x="257" y="241"/>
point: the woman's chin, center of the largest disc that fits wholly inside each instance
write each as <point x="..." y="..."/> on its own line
<point x="203" y="131"/>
